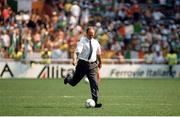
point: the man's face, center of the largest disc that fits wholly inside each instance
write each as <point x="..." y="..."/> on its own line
<point x="90" y="33"/>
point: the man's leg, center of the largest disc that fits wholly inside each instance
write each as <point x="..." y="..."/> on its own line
<point x="92" y="76"/>
<point x="77" y="76"/>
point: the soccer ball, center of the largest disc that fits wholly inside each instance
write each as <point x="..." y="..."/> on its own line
<point x="86" y="80"/>
<point x="89" y="103"/>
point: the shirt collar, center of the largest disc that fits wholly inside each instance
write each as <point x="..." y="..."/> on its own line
<point x="88" y="39"/>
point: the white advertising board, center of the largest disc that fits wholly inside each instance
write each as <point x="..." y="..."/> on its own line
<point x="20" y="70"/>
<point x="138" y="70"/>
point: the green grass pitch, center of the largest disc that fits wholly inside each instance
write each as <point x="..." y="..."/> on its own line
<point x="120" y="97"/>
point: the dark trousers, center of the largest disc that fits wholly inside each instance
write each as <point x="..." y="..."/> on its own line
<point x="90" y="70"/>
<point x="171" y="70"/>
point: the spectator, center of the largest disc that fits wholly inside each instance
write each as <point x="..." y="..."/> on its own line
<point x="46" y="55"/>
<point x="5" y="39"/>
<point x="75" y="11"/>
<point x="17" y="55"/>
<point x="134" y="25"/>
<point x="148" y="57"/>
<point x="157" y="15"/>
<point x="120" y="57"/>
<point x="6" y="13"/>
<point x="158" y="58"/>
<point x="85" y="16"/>
<point x="171" y="59"/>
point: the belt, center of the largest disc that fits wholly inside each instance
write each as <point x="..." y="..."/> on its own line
<point x="80" y="60"/>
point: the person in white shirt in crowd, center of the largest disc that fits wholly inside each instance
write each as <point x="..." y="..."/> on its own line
<point x="157" y="15"/>
<point x="75" y="10"/>
<point x="158" y="58"/>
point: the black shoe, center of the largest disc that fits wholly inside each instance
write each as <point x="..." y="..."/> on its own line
<point x="98" y="105"/>
<point x="66" y="78"/>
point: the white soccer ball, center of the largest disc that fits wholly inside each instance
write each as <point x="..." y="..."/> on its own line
<point x="89" y="103"/>
<point x="86" y="80"/>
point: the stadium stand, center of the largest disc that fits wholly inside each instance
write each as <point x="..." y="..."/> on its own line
<point x="128" y="30"/>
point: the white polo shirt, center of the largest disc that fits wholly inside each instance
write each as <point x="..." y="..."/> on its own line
<point x="83" y="49"/>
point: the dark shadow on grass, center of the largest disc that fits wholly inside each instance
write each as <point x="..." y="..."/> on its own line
<point x="46" y="107"/>
<point x="51" y="107"/>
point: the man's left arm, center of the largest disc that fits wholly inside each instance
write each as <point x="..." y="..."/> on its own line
<point x="99" y="61"/>
<point x="99" y="56"/>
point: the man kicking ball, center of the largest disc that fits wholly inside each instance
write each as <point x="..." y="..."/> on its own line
<point x="87" y="59"/>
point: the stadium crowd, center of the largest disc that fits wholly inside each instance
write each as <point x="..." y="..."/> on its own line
<point x="126" y="29"/>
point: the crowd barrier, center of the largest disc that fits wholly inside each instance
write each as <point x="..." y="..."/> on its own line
<point x="17" y="69"/>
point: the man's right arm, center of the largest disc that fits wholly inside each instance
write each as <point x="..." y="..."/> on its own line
<point x="77" y="51"/>
<point x="75" y="57"/>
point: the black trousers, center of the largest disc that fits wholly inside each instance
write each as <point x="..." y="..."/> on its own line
<point x="90" y="70"/>
<point x="171" y="70"/>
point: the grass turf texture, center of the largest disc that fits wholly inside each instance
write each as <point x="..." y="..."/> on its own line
<point x="119" y="97"/>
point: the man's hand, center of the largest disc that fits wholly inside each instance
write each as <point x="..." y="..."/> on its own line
<point x="74" y="62"/>
<point x="75" y="57"/>
<point x="99" y="61"/>
<point x="99" y="65"/>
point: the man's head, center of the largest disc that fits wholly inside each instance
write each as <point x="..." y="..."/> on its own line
<point x="90" y="32"/>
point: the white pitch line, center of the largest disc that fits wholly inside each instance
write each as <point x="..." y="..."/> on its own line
<point x="67" y="96"/>
<point x="129" y="104"/>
